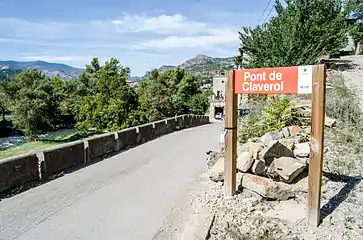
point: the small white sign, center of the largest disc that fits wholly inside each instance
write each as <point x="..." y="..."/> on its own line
<point x="305" y="79"/>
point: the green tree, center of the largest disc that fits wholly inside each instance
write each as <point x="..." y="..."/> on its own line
<point x="354" y="10"/>
<point x="108" y="101"/>
<point x="172" y="92"/>
<point x="33" y="108"/>
<point x="199" y="103"/>
<point x="4" y="102"/>
<point x="302" y="31"/>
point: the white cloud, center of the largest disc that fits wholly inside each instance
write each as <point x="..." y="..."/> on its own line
<point x="226" y="37"/>
<point x="163" y="24"/>
<point x="127" y="33"/>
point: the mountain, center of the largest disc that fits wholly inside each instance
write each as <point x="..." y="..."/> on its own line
<point x="63" y="71"/>
<point x="202" y="64"/>
<point x="199" y="65"/>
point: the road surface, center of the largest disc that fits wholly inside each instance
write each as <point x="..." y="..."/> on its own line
<point x="124" y="197"/>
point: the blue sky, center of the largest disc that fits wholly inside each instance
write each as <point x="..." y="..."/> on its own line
<point x="141" y="34"/>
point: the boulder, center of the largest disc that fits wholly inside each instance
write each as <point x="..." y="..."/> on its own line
<point x="269" y="138"/>
<point x="259" y="167"/>
<point x="303" y="111"/>
<point x="244" y="161"/>
<point x="329" y="122"/>
<point x="277" y="150"/>
<point x="266" y="187"/>
<point x="289" y="142"/>
<point x="286" y="168"/>
<point x="302" y="150"/>
<point x="253" y="148"/>
<point x="295" y="130"/>
<point x="217" y="171"/>
<point x="285" y="132"/>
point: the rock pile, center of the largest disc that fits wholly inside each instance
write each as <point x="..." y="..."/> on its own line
<point x="268" y="165"/>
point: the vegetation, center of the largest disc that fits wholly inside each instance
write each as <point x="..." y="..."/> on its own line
<point x="345" y="155"/>
<point x="275" y="115"/>
<point x="7" y="74"/>
<point x="354" y="11"/>
<point x="100" y="100"/>
<point x="302" y="32"/>
<point x="172" y="92"/>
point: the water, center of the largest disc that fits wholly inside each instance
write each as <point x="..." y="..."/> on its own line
<point x="18" y="140"/>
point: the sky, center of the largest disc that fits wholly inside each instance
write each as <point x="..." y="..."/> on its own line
<point x="142" y="34"/>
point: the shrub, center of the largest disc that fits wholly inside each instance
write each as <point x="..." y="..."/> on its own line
<point x="250" y="126"/>
<point x="277" y="113"/>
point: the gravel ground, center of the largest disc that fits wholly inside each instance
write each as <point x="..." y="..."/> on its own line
<point x="354" y="75"/>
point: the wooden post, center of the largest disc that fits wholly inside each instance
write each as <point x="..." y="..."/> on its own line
<point x="230" y="154"/>
<point x="316" y="145"/>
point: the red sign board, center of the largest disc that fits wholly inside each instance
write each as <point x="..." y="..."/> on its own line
<point x="282" y="80"/>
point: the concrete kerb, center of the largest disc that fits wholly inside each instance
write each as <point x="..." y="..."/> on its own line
<point x="18" y="170"/>
<point x="145" y="132"/>
<point x="62" y="157"/>
<point x="101" y="145"/>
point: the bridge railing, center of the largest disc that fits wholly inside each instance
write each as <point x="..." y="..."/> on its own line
<point x="41" y="166"/>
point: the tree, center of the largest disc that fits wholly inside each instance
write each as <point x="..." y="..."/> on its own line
<point x="199" y="103"/>
<point x="172" y="92"/>
<point x="302" y="31"/>
<point x="107" y="100"/>
<point x="4" y="102"/>
<point x="33" y="109"/>
<point x="354" y="10"/>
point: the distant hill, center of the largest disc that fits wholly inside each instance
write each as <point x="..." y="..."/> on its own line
<point x="199" y="65"/>
<point x="63" y="71"/>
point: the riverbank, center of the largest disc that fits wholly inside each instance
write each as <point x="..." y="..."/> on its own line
<point x="16" y="145"/>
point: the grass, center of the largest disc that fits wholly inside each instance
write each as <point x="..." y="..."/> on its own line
<point x="38" y="145"/>
<point x="26" y="148"/>
<point x="345" y="154"/>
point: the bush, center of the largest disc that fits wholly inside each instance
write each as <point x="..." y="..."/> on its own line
<point x="277" y="113"/>
<point x="271" y="116"/>
<point x="250" y="126"/>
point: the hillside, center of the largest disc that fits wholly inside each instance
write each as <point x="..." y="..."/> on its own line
<point x="204" y="64"/>
<point x="63" y="71"/>
<point x="199" y="65"/>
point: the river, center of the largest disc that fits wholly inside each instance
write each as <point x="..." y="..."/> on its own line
<point x="13" y="141"/>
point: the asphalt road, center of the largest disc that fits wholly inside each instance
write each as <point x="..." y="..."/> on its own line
<point x="127" y="196"/>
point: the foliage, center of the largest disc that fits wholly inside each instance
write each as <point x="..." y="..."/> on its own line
<point x="8" y="74"/>
<point x="33" y="108"/>
<point x="250" y="126"/>
<point x="277" y="113"/>
<point x="100" y="100"/>
<point x="172" y="92"/>
<point x="108" y="99"/>
<point x="4" y="102"/>
<point x="302" y="31"/>
<point x="354" y="10"/>
<point x="274" y="116"/>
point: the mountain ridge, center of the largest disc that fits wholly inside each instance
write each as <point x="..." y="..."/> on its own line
<point x="200" y="64"/>
<point x="49" y="69"/>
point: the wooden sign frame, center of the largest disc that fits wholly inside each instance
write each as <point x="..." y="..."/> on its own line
<point x="316" y="143"/>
